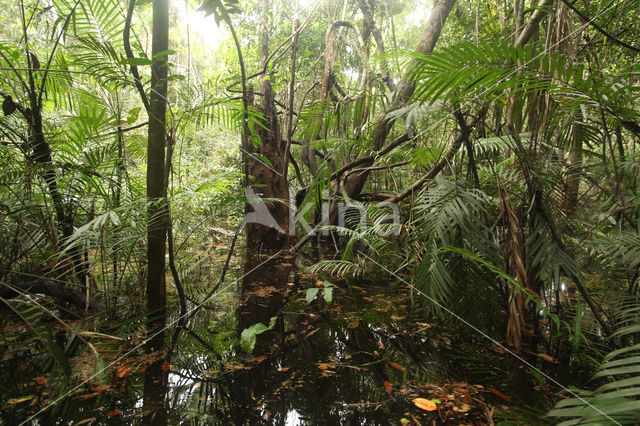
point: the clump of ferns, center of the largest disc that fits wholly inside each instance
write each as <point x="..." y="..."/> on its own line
<point x="370" y="235"/>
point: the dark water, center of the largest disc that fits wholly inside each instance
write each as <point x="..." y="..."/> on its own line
<point x="356" y="354"/>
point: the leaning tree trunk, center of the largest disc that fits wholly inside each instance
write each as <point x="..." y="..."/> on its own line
<point x="383" y="124"/>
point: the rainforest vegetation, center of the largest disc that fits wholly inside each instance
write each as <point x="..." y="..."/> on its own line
<point x="319" y="212"/>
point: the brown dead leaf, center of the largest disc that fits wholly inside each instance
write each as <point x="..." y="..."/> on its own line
<point x="41" y="380"/>
<point x="166" y="366"/>
<point x="100" y="388"/>
<point x="425" y="404"/>
<point x="324" y="366"/>
<point x="357" y="287"/>
<point x="467" y="399"/>
<point x="548" y="358"/>
<point x="462" y="409"/>
<point x="19" y="400"/>
<point x="114" y="413"/>
<point x="259" y="359"/>
<point x="122" y="372"/>
<point x="283" y="369"/>
<point x="85" y="421"/>
<point x="396" y="366"/>
<point x="311" y="333"/>
<point x="499" y="394"/>
<point x="353" y="324"/>
<point x="388" y="387"/>
<point x="367" y="298"/>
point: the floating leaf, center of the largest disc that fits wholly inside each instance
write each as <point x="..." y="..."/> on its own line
<point x="114" y="413"/>
<point x="101" y="388"/>
<point x="353" y="324"/>
<point x="19" y="400"/>
<point x="499" y="394"/>
<point x="396" y="366"/>
<point x="548" y="358"/>
<point x="122" y="372"/>
<point x="425" y="404"/>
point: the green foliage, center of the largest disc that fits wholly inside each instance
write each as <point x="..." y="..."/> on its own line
<point x="249" y="335"/>
<point x="616" y="399"/>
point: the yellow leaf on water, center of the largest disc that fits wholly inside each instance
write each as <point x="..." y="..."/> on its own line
<point x="425" y="404"/>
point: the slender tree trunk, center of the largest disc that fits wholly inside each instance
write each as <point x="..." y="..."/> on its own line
<point x="157" y="227"/>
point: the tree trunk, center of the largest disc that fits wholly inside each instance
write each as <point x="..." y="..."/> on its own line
<point x="156" y="226"/>
<point x="428" y="39"/>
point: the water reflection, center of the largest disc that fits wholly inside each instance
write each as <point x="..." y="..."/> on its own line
<point x="156" y="384"/>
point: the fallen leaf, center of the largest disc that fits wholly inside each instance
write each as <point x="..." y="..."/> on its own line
<point x="85" y="421"/>
<point x="396" y="366"/>
<point x="259" y="359"/>
<point x="425" y="404"/>
<point x="548" y="358"/>
<point x="166" y="366"/>
<point x="323" y="366"/>
<point x="143" y="368"/>
<point x="286" y="265"/>
<point x="41" y="380"/>
<point x="353" y="324"/>
<point x="114" y="413"/>
<point x="467" y="399"/>
<point x="311" y="333"/>
<point x="283" y="369"/>
<point x="122" y="372"/>
<point x="462" y="409"/>
<point x="397" y="317"/>
<point x="381" y="346"/>
<point x="357" y="287"/>
<point x="499" y="394"/>
<point x="367" y="298"/>
<point x="100" y="388"/>
<point x="19" y="400"/>
<point x="388" y="387"/>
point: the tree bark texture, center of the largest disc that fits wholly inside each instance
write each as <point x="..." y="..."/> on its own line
<point x="156" y="226"/>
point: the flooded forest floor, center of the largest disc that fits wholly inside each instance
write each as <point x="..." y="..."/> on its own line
<point x="327" y="351"/>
